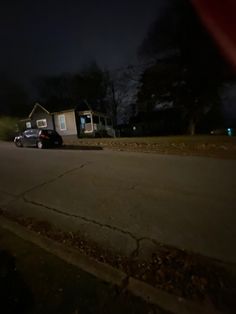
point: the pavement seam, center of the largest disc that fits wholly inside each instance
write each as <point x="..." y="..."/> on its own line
<point x="135" y="253"/>
<point x="7" y="193"/>
<point x="49" y="181"/>
<point x="21" y="195"/>
<point x="52" y="180"/>
<point x="61" y="212"/>
<point x="137" y="240"/>
<point x="107" y="273"/>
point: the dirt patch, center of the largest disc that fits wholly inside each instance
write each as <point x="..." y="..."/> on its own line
<point x="182" y="273"/>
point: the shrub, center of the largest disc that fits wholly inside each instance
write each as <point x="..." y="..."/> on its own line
<point x="8" y="128"/>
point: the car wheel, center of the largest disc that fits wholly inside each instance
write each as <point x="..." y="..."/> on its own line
<point x="19" y="144"/>
<point x="40" y="145"/>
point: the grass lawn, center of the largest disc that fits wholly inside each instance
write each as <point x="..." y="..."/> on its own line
<point x="200" y="145"/>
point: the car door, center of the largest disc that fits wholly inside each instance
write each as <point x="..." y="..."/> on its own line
<point x="29" y="138"/>
<point x="34" y="137"/>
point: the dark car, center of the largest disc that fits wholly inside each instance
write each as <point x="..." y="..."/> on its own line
<point x="38" y="138"/>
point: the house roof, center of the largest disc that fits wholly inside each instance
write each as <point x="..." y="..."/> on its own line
<point x="82" y="112"/>
<point x="83" y="107"/>
<point x="37" y="105"/>
<point x="62" y="111"/>
<point x="25" y="120"/>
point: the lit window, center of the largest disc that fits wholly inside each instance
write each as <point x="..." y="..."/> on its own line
<point x="62" y="122"/>
<point x="42" y="123"/>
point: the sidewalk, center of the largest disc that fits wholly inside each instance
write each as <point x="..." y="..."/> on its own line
<point x="42" y="283"/>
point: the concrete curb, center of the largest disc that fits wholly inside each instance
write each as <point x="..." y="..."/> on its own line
<point x="107" y="273"/>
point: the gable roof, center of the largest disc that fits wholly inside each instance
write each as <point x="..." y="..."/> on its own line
<point x="36" y="106"/>
<point x="62" y="111"/>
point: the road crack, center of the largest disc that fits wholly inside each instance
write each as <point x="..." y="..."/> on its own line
<point x="8" y="193"/>
<point x="65" y="173"/>
<point x="38" y="186"/>
<point x="61" y="212"/>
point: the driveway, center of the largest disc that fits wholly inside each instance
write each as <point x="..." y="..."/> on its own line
<point x="123" y="200"/>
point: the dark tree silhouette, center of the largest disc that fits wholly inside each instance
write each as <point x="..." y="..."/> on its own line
<point x="55" y="91"/>
<point x="121" y="93"/>
<point x="68" y="90"/>
<point x="14" y="100"/>
<point x="189" y="70"/>
<point x="91" y="85"/>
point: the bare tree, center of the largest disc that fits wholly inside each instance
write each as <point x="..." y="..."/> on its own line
<point x="122" y="89"/>
<point x="68" y="90"/>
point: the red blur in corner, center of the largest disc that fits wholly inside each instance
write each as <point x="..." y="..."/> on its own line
<point x="219" y="17"/>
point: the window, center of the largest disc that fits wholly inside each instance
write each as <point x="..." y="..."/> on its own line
<point x="85" y="119"/>
<point x="28" y="125"/>
<point x="62" y="122"/>
<point x="42" y="123"/>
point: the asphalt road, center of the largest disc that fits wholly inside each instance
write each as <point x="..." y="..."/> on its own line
<point x="42" y="283"/>
<point x="119" y="199"/>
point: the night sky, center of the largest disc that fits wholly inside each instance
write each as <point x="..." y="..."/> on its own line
<point x="49" y="37"/>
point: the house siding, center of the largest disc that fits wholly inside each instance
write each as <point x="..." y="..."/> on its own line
<point x="41" y="116"/>
<point x="70" y="120"/>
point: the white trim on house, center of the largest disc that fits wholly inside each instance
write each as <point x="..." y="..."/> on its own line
<point x="35" y="107"/>
<point x="42" y="123"/>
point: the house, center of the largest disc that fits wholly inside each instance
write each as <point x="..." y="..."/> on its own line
<point x="39" y="117"/>
<point x="92" y="123"/>
<point x="71" y="122"/>
<point x="65" y="122"/>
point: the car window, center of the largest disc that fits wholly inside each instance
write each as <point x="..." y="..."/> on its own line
<point x="28" y="133"/>
<point x="49" y="132"/>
